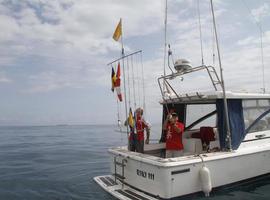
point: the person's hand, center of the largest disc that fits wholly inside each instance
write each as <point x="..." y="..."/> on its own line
<point x="147" y="141"/>
<point x="169" y="135"/>
<point x="169" y="116"/>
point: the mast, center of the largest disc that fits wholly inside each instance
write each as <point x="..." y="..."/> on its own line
<point x="261" y="36"/>
<point x="123" y="63"/>
<point x="228" y="137"/>
<point x="165" y="40"/>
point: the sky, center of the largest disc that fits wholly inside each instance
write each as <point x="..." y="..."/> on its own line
<point x="54" y="54"/>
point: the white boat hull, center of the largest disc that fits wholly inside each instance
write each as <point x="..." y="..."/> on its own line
<point x="168" y="178"/>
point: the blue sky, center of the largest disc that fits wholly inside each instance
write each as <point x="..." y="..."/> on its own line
<point x="53" y="54"/>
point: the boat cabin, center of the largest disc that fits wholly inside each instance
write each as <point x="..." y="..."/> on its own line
<point x="203" y="116"/>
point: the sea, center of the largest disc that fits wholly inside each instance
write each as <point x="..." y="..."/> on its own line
<point x="59" y="163"/>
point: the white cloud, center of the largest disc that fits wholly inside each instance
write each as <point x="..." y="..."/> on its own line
<point x="67" y="43"/>
<point x="261" y="12"/>
<point x="4" y="78"/>
<point x="64" y="32"/>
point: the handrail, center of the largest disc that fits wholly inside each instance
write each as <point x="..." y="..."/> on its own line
<point x="210" y="70"/>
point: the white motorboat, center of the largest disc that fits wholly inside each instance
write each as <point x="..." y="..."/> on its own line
<point x="226" y="141"/>
<point x="151" y="176"/>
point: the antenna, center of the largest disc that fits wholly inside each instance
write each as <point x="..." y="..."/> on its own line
<point x="165" y="40"/>
<point x="222" y="83"/>
<point x="261" y="41"/>
<point x="200" y="29"/>
<point x="213" y="39"/>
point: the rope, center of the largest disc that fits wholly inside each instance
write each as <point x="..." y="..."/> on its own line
<point x="138" y="79"/>
<point x="134" y="94"/>
<point x="128" y="83"/>
<point x="200" y="29"/>
<point x="118" y="120"/>
<point x="144" y="107"/>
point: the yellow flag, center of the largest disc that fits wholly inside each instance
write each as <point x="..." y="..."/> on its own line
<point x="118" y="31"/>
<point x="130" y="119"/>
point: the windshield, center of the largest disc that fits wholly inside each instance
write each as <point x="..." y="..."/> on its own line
<point x="198" y="115"/>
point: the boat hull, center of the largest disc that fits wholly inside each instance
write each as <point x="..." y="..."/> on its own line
<point x="169" y="178"/>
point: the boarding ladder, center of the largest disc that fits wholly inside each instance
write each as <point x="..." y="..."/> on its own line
<point x="122" y="164"/>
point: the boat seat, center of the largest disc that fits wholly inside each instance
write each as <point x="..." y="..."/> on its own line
<point x="192" y="146"/>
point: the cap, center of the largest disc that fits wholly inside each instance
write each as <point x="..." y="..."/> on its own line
<point x="174" y="114"/>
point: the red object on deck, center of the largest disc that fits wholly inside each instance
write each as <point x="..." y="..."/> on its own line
<point x="206" y="135"/>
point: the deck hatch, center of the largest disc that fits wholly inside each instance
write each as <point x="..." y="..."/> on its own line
<point x="111" y="180"/>
<point x="127" y="195"/>
<point x="180" y="171"/>
<point x="104" y="180"/>
<point x="136" y="195"/>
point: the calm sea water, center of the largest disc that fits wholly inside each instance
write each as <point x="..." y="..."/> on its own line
<point x="59" y="162"/>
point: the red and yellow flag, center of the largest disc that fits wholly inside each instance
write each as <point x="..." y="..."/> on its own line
<point x="113" y="79"/>
<point x="118" y="31"/>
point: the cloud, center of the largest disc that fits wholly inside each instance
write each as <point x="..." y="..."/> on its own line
<point x="4" y="78"/>
<point x="83" y="24"/>
<point x="48" y="46"/>
<point x="63" y="33"/>
<point x="261" y="12"/>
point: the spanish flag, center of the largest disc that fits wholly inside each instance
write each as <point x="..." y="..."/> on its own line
<point x="118" y="31"/>
<point x="117" y="83"/>
<point x="130" y="119"/>
<point x="113" y="79"/>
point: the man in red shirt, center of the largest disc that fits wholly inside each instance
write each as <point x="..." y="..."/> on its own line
<point x="174" y="129"/>
<point x="136" y="136"/>
<point x="141" y="125"/>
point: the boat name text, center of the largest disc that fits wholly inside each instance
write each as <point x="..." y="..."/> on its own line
<point x="145" y="174"/>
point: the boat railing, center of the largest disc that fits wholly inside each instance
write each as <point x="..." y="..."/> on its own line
<point x="163" y="80"/>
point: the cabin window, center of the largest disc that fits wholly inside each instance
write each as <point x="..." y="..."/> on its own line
<point x="196" y="114"/>
<point x="252" y="110"/>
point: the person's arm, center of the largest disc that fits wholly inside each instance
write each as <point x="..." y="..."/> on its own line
<point x="165" y="124"/>
<point x="147" y="128"/>
<point x="147" y="135"/>
<point x="178" y="128"/>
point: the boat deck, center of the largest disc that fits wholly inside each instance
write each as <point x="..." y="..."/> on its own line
<point x="157" y="160"/>
<point x="119" y="190"/>
<point x="188" y="157"/>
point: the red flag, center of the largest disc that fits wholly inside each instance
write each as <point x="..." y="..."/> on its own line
<point x="117" y="84"/>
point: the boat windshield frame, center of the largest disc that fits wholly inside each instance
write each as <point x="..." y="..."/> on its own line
<point x="213" y="76"/>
